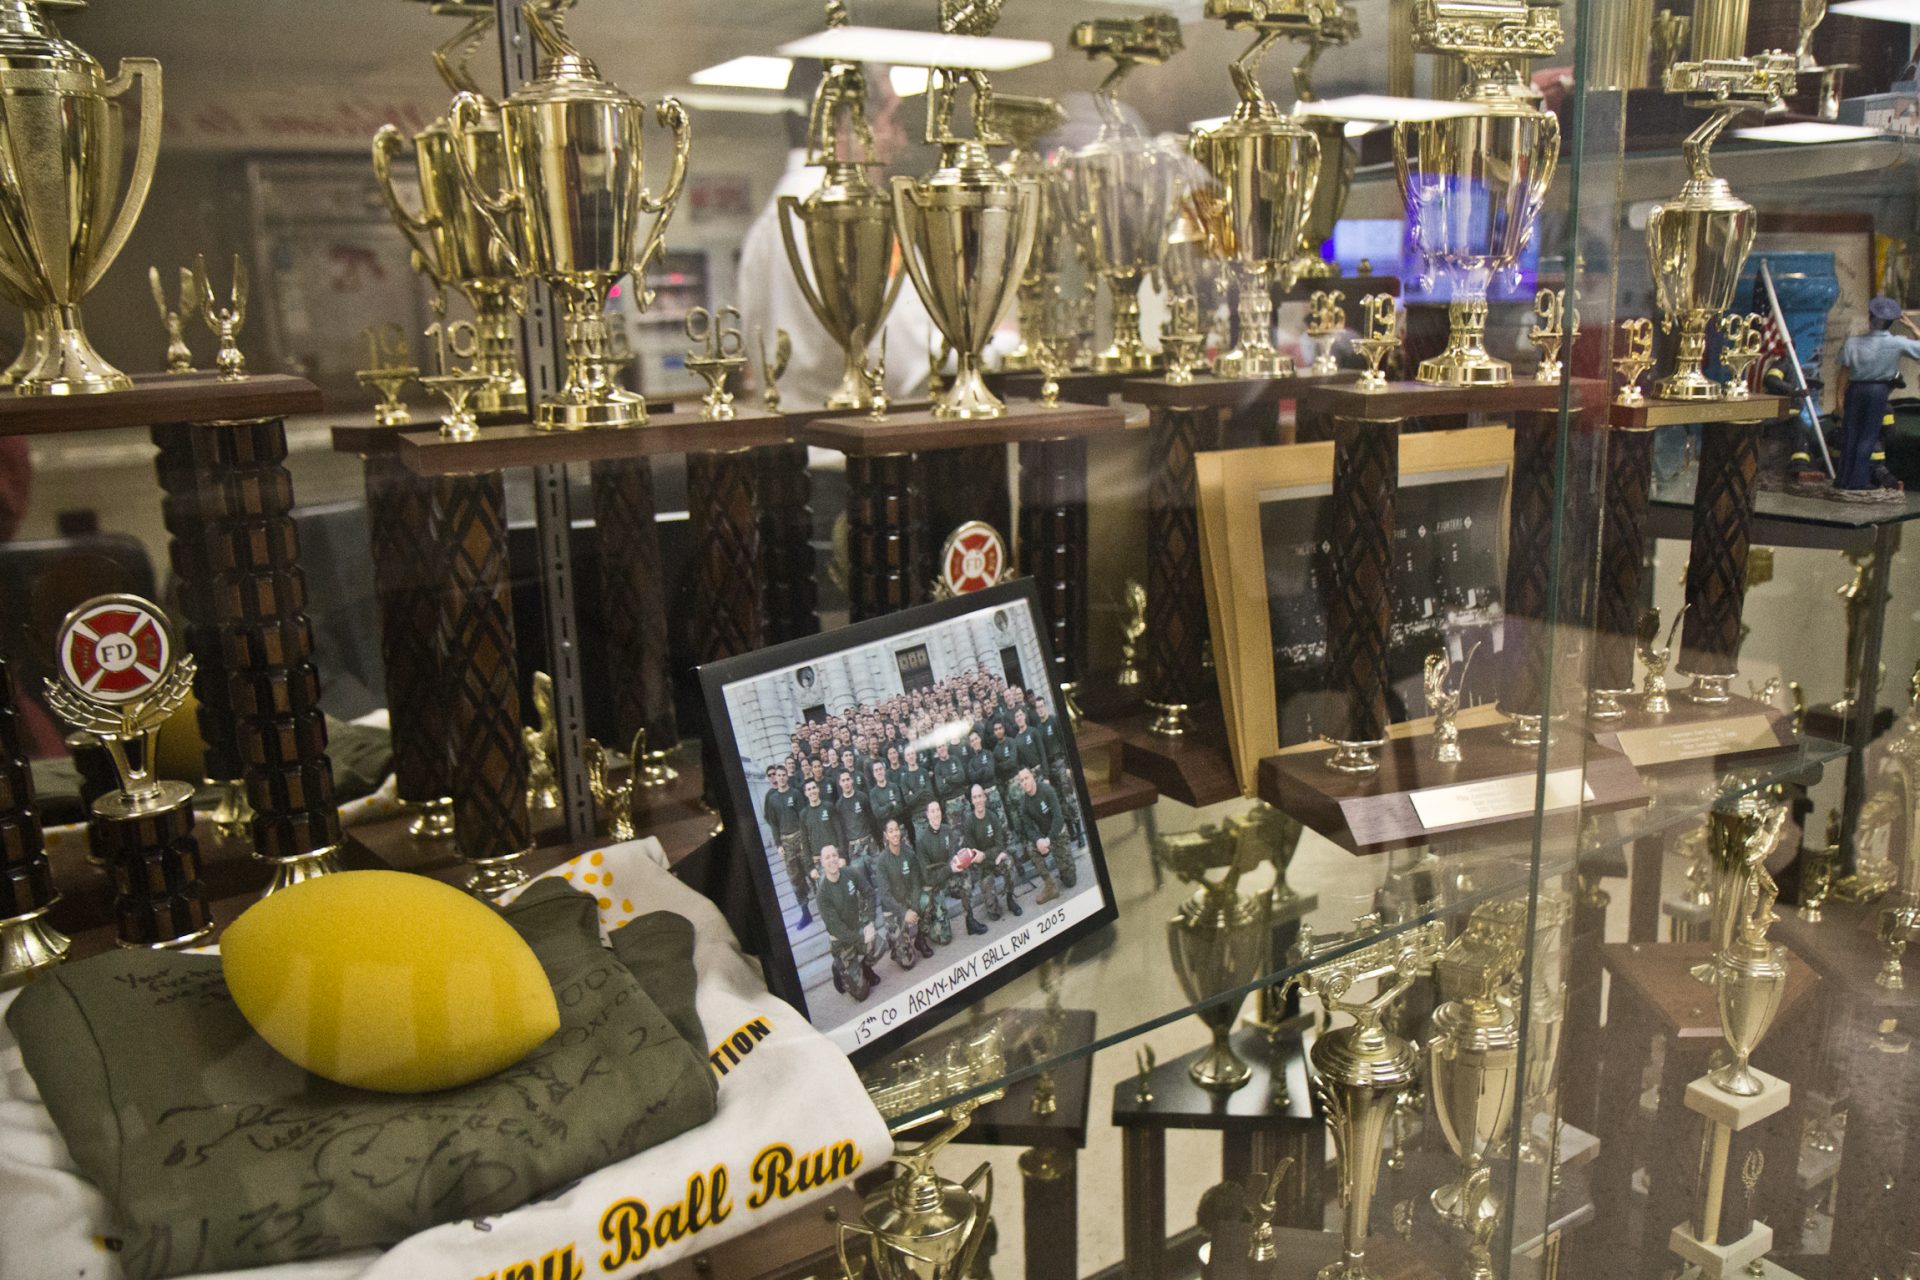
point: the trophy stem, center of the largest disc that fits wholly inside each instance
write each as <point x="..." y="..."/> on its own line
<point x="1687" y="381"/>
<point x="587" y="398"/>
<point x="969" y="396"/>
<point x="40" y="325"/>
<point x="1710" y="691"/>
<point x="1127" y="353"/>
<point x="67" y="364"/>
<point x="1253" y="356"/>
<point x="288" y="872"/>
<point x="497" y="354"/>
<point x="28" y="944"/>
<point x="1465" y="362"/>
<point x="852" y="393"/>
<point x="1220" y="1069"/>
<point x="432" y="819"/>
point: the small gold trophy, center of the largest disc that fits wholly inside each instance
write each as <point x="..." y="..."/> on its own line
<point x="452" y="239"/>
<point x="1699" y="240"/>
<point x="1740" y="352"/>
<point x="1473" y="1054"/>
<point x="458" y="388"/>
<point x="1133" y="629"/>
<point x="1474" y="182"/>
<point x="1326" y="318"/>
<point x="1263" y="169"/>
<point x="1125" y="184"/>
<point x="174" y="318"/>
<point x="1024" y="120"/>
<point x="771" y="368"/>
<point x="63" y="131"/>
<point x="1381" y="325"/>
<point x="542" y="739"/>
<point x="1221" y="940"/>
<point x="1653" y="690"/>
<point x="966" y="229"/>
<point x="920" y="1226"/>
<point x="226" y="321"/>
<point x="1362" y="1068"/>
<point x="1337" y="26"/>
<point x="570" y="204"/>
<point x="615" y="798"/>
<point x="1556" y="323"/>
<point x="722" y="352"/>
<point x="388" y="372"/>
<point x="1443" y="702"/>
<point x="1634" y="360"/>
<point x="1752" y="979"/>
<point x="1741" y="833"/>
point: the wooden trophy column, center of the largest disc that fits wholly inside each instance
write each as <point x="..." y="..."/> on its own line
<point x="1053" y="546"/>
<point x="1366" y="485"/>
<point x="28" y="942"/>
<point x="791" y="592"/>
<point x="890" y="560"/>
<point x="1717" y="560"/>
<point x="1623" y="554"/>
<point x="1525" y="681"/>
<point x="633" y="604"/>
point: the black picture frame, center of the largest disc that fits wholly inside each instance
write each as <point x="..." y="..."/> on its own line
<point x="1020" y="600"/>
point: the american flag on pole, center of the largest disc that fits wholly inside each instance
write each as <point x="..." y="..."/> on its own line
<point x="1773" y="345"/>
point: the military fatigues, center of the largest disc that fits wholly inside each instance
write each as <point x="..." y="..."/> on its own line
<point x="916" y="787"/>
<point x="980" y="773"/>
<point x="782" y="812"/>
<point x="856" y="826"/>
<point x="819" y="827"/>
<point x="902" y="890"/>
<point x="846" y="908"/>
<point x="1046" y="818"/>
<point x="1052" y="735"/>
<point x="934" y="851"/>
<point x="887" y="800"/>
<point x="989" y="835"/>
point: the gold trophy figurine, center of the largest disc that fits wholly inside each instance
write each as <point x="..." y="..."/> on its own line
<point x="616" y="799"/>
<point x="1333" y="178"/>
<point x="1740" y="352"/>
<point x="1473" y="1054"/>
<point x="572" y="192"/>
<point x="175" y="318"/>
<point x="458" y="388"/>
<point x="226" y="322"/>
<point x="542" y="739"/>
<point x="1133" y="629"/>
<point x="1326" y="319"/>
<point x="772" y="368"/>
<point x="920" y="1226"/>
<point x="1634" y="361"/>
<point x="1698" y="241"/>
<point x="1261" y="172"/>
<point x="1221" y="940"/>
<point x="1556" y="323"/>
<point x="846" y="225"/>
<point x="1653" y="690"/>
<point x="1443" y="702"/>
<point x="1812" y="14"/>
<point x="1753" y="978"/>
<point x="1741" y="834"/>
<point x="452" y="239"/>
<point x="1473" y="183"/>
<point x="1360" y="1069"/>
<point x="1380" y="323"/>
<point x="62" y="136"/>
<point x="722" y="353"/>
<point x="966" y="229"/>
<point x="1125" y="185"/>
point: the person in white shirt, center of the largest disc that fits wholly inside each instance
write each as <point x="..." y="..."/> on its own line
<point x="770" y="298"/>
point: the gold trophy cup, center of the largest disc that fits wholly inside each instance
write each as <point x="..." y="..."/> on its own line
<point x="966" y="229"/>
<point x="1337" y="25"/>
<point x="1474" y="182"/>
<point x="1753" y="978"/>
<point x="572" y="191"/>
<point x="1221" y="940"/>
<point x="1261" y="173"/>
<point x="921" y="1226"/>
<point x="1473" y="1055"/>
<point x="1124" y="183"/>
<point x="846" y="224"/>
<point x="1024" y="120"/>
<point x="61" y="130"/>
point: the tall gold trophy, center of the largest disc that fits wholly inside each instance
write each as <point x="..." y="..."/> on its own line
<point x="1474" y="182"/>
<point x="453" y="241"/>
<point x="1125" y="183"/>
<point x="1338" y="25"/>
<point x="1698" y="241"/>
<point x="966" y="229"/>
<point x="1262" y="170"/>
<point x="846" y="224"/>
<point x="61" y="131"/>
<point x="1741" y="834"/>
<point x="1024" y="120"/>
<point x="1473" y="1054"/>
<point x="1361" y="1069"/>
<point x="573" y="193"/>
<point x="1221" y="940"/>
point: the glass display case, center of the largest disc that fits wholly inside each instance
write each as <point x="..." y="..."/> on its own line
<point x="1305" y="673"/>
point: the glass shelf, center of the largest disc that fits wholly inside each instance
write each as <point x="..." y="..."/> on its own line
<point x="1125" y="974"/>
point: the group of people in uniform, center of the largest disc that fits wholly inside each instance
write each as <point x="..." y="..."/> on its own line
<point x="893" y="820"/>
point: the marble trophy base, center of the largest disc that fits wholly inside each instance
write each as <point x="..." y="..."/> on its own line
<point x="1731" y="1113"/>
<point x="1717" y="1260"/>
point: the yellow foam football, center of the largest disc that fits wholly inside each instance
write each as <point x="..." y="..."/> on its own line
<point x="387" y="981"/>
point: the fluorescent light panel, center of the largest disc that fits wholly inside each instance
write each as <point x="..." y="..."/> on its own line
<point x="908" y="82"/>
<point x="919" y="49"/>
<point x="1906" y="11"/>
<point x="751" y="72"/>
<point x="1807" y="131"/>
<point x="1380" y="107"/>
<point x="759" y="104"/>
<point x="1355" y="128"/>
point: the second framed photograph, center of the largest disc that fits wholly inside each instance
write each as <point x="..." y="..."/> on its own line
<point x="912" y="810"/>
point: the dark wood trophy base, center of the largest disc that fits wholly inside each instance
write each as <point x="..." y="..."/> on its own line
<point x="1411" y="798"/>
<point x="1737" y="729"/>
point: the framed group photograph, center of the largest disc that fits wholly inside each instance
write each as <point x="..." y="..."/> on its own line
<point x="913" y="812"/>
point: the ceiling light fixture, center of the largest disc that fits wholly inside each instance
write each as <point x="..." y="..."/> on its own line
<point x="908" y="82"/>
<point x="1381" y="108"/>
<point x="919" y="49"/>
<point x="1906" y="11"/>
<point x="759" y="104"/>
<point x="1807" y="131"/>
<point x="750" y="72"/>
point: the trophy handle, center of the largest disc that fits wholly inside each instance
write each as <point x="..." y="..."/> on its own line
<point x="144" y="72"/>
<point x="784" y="210"/>
<point x="906" y="218"/>
<point x="1537" y="189"/>
<point x="983" y="1178"/>
<point x="671" y="116"/>
<point x="414" y="228"/>
<point x="492" y="207"/>
<point x="840" y="1247"/>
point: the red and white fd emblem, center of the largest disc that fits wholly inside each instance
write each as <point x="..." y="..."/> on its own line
<point x="974" y="558"/>
<point x="114" y="649"/>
